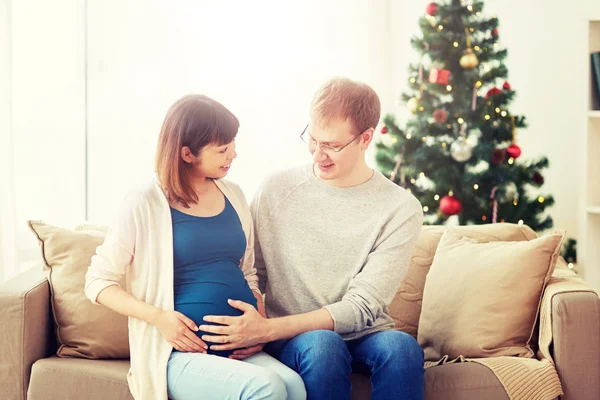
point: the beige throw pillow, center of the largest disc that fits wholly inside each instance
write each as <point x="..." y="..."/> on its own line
<point x="482" y="299"/>
<point x="83" y="329"/>
<point x="405" y="309"/>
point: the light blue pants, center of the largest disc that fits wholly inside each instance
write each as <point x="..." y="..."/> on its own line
<point x="192" y="376"/>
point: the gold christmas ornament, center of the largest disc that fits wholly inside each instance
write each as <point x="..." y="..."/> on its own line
<point x="412" y="104"/>
<point x="469" y="60"/>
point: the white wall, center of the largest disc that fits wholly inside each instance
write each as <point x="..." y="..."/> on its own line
<point x="262" y="59"/>
<point x="546" y="57"/>
<point x="47" y="116"/>
<point x="8" y="262"/>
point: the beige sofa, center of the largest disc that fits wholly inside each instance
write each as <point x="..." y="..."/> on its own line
<point x="28" y="368"/>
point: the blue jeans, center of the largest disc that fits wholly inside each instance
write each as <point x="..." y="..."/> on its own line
<point x="392" y="359"/>
<point x="192" y="376"/>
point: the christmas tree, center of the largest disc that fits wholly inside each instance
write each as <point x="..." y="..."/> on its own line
<point x="457" y="153"/>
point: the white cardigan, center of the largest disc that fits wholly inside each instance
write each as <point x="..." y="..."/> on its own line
<point x="140" y="243"/>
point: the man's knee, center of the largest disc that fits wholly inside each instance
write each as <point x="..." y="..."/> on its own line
<point x="320" y="343"/>
<point x="317" y="350"/>
<point x="400" y="348"/>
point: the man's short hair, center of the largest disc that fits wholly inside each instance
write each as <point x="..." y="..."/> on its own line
<point x="345" y="99"/>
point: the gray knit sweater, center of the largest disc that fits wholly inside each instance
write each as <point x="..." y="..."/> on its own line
<point x="344" y="249"/>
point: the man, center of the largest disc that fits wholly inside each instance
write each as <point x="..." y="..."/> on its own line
<point x="333" y="243"/>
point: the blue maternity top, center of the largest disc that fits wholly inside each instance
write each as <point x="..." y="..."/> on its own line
<point x="207" y="253"/>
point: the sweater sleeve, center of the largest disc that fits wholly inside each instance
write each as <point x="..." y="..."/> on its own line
<point x="375" y="286"/>
<point x="114" y="255"/>
<point x="259" y="261"/>
<point x="247" y="262"/>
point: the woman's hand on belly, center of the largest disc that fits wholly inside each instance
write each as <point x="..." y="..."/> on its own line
<point x="240" y="354"/>
<point x="179" y="331"/>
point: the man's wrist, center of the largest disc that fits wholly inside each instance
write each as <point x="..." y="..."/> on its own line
<point x="271" y="327"/>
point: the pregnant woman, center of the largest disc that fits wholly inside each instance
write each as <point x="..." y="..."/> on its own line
<point x="184" y="241"/>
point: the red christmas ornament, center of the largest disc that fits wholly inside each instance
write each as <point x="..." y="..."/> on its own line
<point x="498" y="156"/>
<point x="450" y="205"/>
<point x="440" y="116"/>
<point x="495" y="32"/>
<point x="514" y="151"/>
<point x="431" y="9"/>
<point x="440" y="76"/>
<point x="384" y="130"/>
<point x="537" y="178"/>
<point x="493" y="92"/>
<point x="506" y="86"/>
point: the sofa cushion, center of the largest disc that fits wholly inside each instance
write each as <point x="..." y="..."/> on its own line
<point x="73" y="378"/>
<point x="405" y="309"/>
<point x="461" y="381"/>
<point x="482" y="299"/>
<point x="83" y="329"/>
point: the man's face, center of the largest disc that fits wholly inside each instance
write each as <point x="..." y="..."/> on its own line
<point x="336" y="149"/>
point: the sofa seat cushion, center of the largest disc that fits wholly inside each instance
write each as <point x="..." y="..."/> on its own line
<point x="57" y="378"/>
<point x="461" y="381"/>
<point x="74" y="379"/>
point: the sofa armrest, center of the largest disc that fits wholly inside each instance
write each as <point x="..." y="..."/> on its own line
<point x="25" y="326"/>
<point x="576" y="343"/>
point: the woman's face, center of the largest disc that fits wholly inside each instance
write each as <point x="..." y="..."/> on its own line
<point x="212" y="161"/>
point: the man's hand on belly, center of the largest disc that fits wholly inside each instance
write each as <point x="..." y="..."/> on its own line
<point x="246" y="331"/>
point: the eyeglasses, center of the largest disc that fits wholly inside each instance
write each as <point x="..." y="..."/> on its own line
<point x="312" y="143"/>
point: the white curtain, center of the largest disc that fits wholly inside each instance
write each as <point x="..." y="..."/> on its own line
<point x="8" y="246"/>
<point x="42" y="123"/>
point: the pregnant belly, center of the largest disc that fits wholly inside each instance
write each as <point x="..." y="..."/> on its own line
<point x="200" y="299"/>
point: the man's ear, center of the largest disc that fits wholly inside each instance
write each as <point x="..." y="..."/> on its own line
<point x="367" y="137"/>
